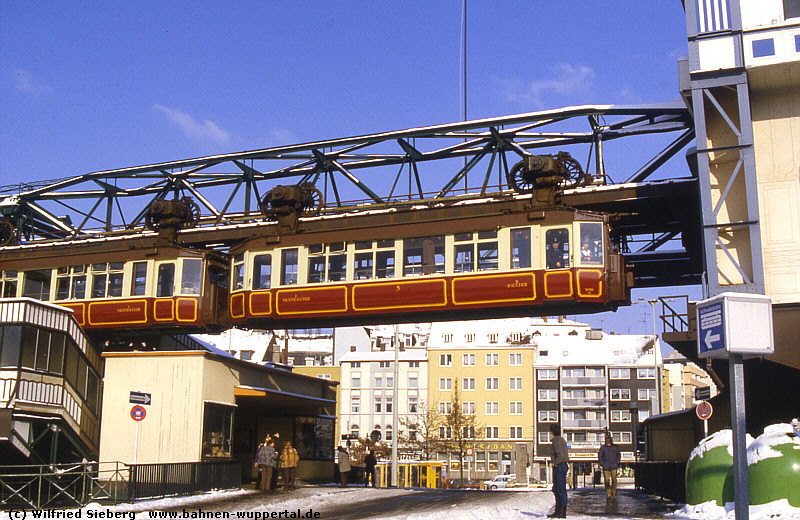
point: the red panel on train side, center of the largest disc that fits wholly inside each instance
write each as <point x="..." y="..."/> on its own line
<point x="78" y="310"/>
<point x="237" y="305"/>
<point x="163" y="310"/>
<point x="186" y="309"/>
<point x="590" y="283"/>
<point x="388" y="296"/>
<point x="314" y="300"/>
<point x="558" y="284"/>
<point x="498" y="288"/>
<point x="118" y="312"/>
<point x="260" y="303"/>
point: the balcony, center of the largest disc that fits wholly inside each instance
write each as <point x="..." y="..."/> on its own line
<point x="583" y="381"/>
<point x="584" y="423"/>
<point x="584" y="402"/>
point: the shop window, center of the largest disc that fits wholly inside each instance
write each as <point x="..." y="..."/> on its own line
<point x="217" y="422"/>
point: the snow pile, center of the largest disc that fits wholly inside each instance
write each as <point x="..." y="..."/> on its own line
<point x="774" y="435"/>
<point x="778" y="510"/>
<point x="715" y="440"/>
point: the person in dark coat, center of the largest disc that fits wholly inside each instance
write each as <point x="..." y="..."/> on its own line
<point x="265" y="460"/>
<point x="369" y="468"/>
<point x="560" y="460"/>
<point x="608" y="457"/>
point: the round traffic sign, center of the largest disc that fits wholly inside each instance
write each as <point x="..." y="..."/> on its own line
<point x="469" y="452"/>
<point x="704" y="410"/>
<point x="138" y="413"/>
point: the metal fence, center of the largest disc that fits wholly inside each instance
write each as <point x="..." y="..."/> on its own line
<point x="75" y="485"/>
<point x="665" y="479"/>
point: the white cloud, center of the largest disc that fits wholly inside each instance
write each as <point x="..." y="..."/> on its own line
<point x="204" y="131"/>
<point x="280" y="137"/>
<point x="564" y="78"/>
<point x="25" y="83"/>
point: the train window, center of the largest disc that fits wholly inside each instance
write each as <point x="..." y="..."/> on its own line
<point x="336" y="246"/>
<point x="262" y="271"/>
<point x="316" y="269"/>
<point x="166" y="279"/>
<point x="363" y="265"/>
<point x="8" y="284"/>
<point x="487" y="256"/>
<point x="464" y="258"/>
<point x="483" y="235"/>
<point x="520" y="248"/>
<point x="337" y="267"/>
<point x="71" y="282"/>
<point x="316" y="248"/>
<point x="463" y="237"/>
<point x="363" y="245"/>
<point x="218" y="276"/>
<point x="557" y="248"/>
<point x="238" y="271"/>
<point x="10" y="337"/>
<point x="55" y="361"/>
<point x="191" y="276"/>
<point x="423" y="255"/>
<point x="107" y="280"/>
<point x="386" y="243"/>
<point x="591" y="243"/>
<point x="289" y="266"/>
<point x="384" y="263"/>
<point x="139" y="282"/>
<point x="37" y="284"/>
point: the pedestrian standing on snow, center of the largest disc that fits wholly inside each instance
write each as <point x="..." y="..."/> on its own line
<point x="266" y="464"/>
<point x="608" y="457"/>
<point x="344" y="467"/>
<point x="289" y="459"/>
<point x="560" y="460"/>
<point x="369" y="468"/>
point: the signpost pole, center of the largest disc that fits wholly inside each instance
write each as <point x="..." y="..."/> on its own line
<point x="742" y="498"/>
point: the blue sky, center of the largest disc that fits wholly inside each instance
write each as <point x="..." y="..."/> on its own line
<point x="88" y="86"/>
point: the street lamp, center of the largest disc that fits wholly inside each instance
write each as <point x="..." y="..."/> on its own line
<point x="395" y="403"/>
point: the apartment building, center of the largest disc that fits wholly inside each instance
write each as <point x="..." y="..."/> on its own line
<point x="594" y="385"/>
<point x="680" y="380"/>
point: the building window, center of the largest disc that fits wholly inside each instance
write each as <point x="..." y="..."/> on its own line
<point x="469" y="338"/>
<point x="413" y="403"/>
<point x="355" y="364"/>
<point x="492" y="337"/>
<point x="547" y="374"/>
<point x="544" y="438"/>
<point x="515" y="359"/>
<point x="445" y="432"/>
<point x="413" y="382"/>
<point x="468" y="360"/>
<point x="620" y="416"/>
<point x="378" y="382"/>
<point x="378" y="405"/>
<point x="492" y="408"/>
<point x="217" y="424"/>
<point x="548" y="415"/>
<point x="619" y="373"/>
<point x="620" y="394"/>
<point x="445" y="383"/>
<point x="447" y="338"/>
<point x="413" y="364"/>
<point x="468" y="383"/>
<point x="621" y="437"/>
<point x="548" y="394"/>
<point x="468" y="408"/>
<point x="646" y="373"/>
<point x="493" y="383"/>
<point x="515" y="432"/>
<point x="385" y="364"/>
<point x="493" y="432"/>
<point x="355" y="404"/>
<point x="515" y="383"/>
<point x="573" y="372"/>
<point x="445" y="360"/>
<point x="763" y="48"/>
<point x="645" y="394"/>
<point x="355" y="381"/>
<point x="445" y="407"/>
<point x="492" y="360"/>
<point x="389" y="404"/>
<point x="516" y="337"/>
<point x="515" y="408"/>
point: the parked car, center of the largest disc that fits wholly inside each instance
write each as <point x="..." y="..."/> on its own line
<point x="500" y="482"/>
<point x="462" y="483"/>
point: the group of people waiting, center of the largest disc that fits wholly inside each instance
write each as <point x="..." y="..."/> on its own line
<point x="370" y="461"/>
<point x="268" y="461"/>
<point x="608" y="458"/>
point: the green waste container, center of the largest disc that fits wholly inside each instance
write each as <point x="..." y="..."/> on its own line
<point x="709" y="472"/>
<point x="773" y="466"/>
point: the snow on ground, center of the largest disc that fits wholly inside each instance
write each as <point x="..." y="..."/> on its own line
<point x="500" y="505"/>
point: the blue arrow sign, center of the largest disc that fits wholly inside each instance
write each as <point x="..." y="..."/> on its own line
<point x="711" y="328"/>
